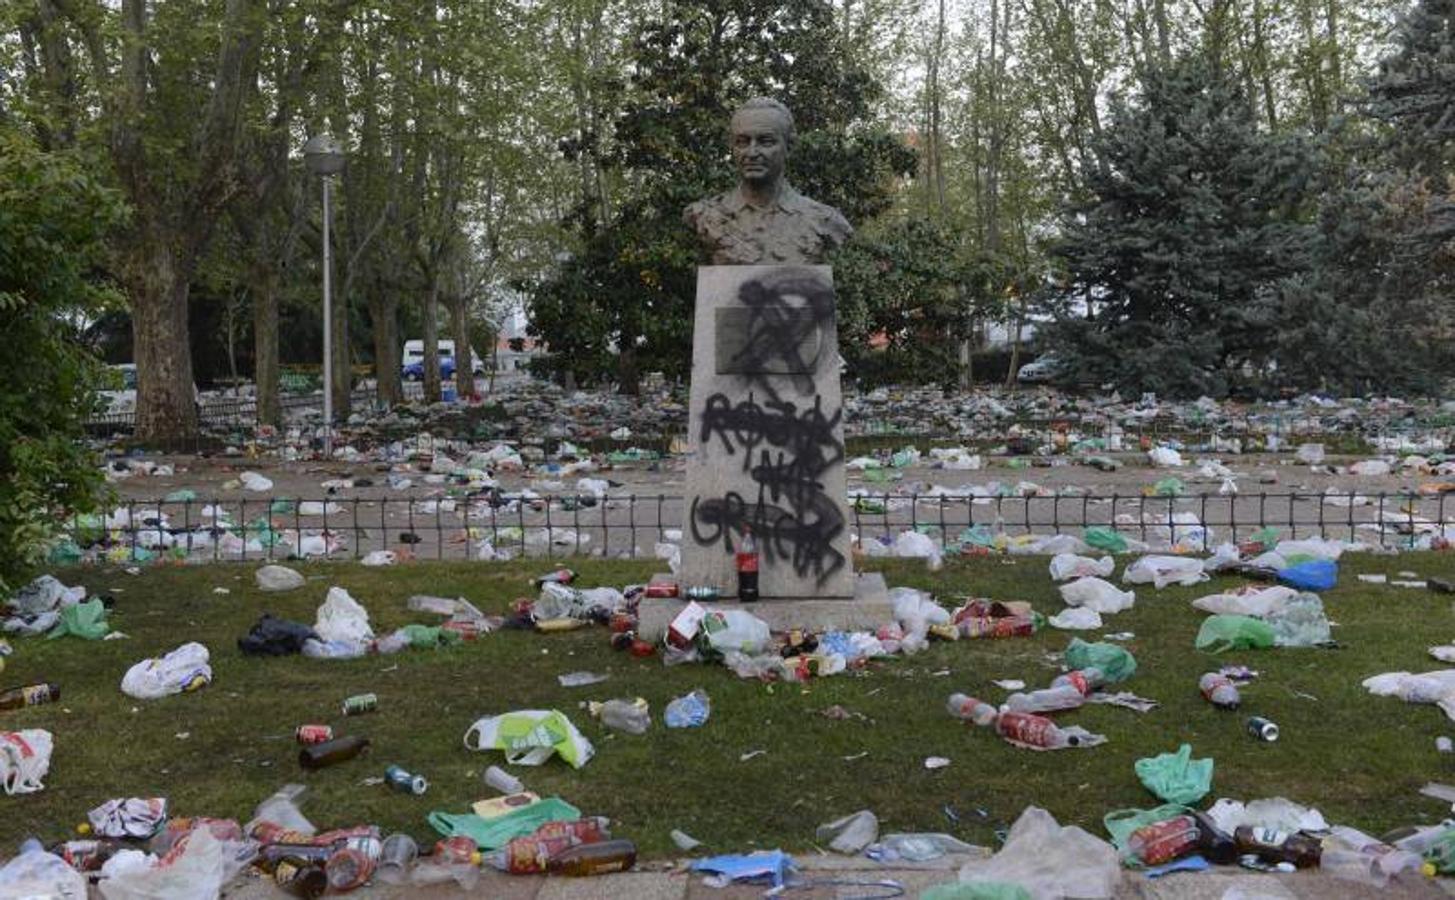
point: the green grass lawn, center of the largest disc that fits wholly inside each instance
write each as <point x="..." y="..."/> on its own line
<point x="1360" y="759"/>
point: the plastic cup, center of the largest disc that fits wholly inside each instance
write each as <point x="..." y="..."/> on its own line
<point x="398" y="855"/>
<point x="503" y="781"/>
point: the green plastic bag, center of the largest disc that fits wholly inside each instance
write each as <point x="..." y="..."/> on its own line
<point x="1120" y="823"/>
<point x="492" y="834"/>
<point x="1219" y="633"/>
<point x="1169" y="487"/>
<point x="1103" y="538"/>
<point x="1442" y="853"/>
<point x="185" y="495"/>
<point x="976" y="890"/>
<point x="282" y="506"/>
<point x="64" y="553"/>
<point x="1176" y="777"/>
<point x="84" y="620"/>
<point x="1116" y="663"/>
<point x="979" y="536"/>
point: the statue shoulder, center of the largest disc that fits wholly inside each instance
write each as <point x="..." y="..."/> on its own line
<point x="828" y="220"/>
<point x="706" y="209"/>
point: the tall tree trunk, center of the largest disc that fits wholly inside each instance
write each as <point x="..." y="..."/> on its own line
<point x="343" y="375"/>
<point x="464" y="359"/>
<point x="158" y="285"/>
<point x="265" y="344"/>
<point x="384" y="322"/>
<point x="432" y="341"/>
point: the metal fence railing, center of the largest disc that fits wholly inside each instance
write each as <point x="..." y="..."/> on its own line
<point x="495" y="524"/>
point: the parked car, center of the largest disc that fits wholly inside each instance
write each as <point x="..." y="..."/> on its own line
<point x="1043" y="368"/>
<point x="413" y="363"/>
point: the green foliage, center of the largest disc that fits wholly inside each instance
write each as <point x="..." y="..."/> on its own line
<point x="53" y="215"/>
<point x="904" y="288"/>
<point x="634" y="276"/>
<point x="1194" y="220"/>
<point x="1414" y="90"/>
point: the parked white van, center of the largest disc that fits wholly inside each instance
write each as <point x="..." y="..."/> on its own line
<point x="412" y="365"/>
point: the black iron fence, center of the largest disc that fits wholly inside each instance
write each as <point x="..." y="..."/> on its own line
<point x="495" y="525"/>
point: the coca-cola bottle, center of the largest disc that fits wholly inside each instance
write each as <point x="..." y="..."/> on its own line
<point x="1219" y="690"/>
<point x="1034" y="731"/>
<point x="747" y="566"/>
<point x="1152" y="845"/>
<point x="963" y="706"/>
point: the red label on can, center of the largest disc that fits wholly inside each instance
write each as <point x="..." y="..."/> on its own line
<point x="457" y="849"/>
<point x="313" y="734"/>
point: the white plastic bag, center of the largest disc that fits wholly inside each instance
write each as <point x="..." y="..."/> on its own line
<point x="183" y="669"/>
<point x="1165" y="457"/>
<point x="1160" y="571"/>
<point x="278" y="578"/>
<point x="851" y="834"/>
<point x="380" y="558"/>
<point x="197" y="868"/>
<point x="254" y="482"/>
<point x="1076" y="618"/>
<point x="25" y="758"/>
<point x="1094" y="593"/>
<point x="1069" y="565"/>
<point x="735" y="630"/>
<point x="1276" y="813"/>
<point x="36" y="873"/>
<point x="341" y="618"/>
<point x="1049" y="860"/>
<point x="1249" y="601"/>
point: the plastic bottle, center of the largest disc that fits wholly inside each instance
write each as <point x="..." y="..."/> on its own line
<point x="317" y="756"/>
<point x="30" y="695"/>
<point x="560" y="576"/>
<point x="600" y="858"/>
<point x="503" y="781"/>
<point x="532" y="853"/>
<point x="1050" y="699"/>
<point x="1219" y="690"/>
<point x="1084" y="680"/>
<point x="963" y="706"/>
<point x="746" y="560"/>
<point x="1034" y="731"/>
<point x="630" y="716"/>
<point x="1154" y="844"/>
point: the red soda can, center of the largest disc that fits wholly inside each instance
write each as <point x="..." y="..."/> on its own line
<point x="641" y="649"/>
<point x="623" y="622"/>
<point x="457" y="849"/>
<point x="313" y="734"/>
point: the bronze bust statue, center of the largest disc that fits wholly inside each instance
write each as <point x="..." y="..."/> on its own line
<point x="764" y="221"/>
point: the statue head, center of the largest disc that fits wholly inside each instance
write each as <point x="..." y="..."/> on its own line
<point x="760" y="136"/>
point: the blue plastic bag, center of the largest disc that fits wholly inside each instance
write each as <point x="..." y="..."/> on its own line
<point x="688" y="711"/>
<point x="1314" y="575"/>
<point x="773" y="865"/>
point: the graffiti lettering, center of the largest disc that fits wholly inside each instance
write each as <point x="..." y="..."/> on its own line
<point x="791" y="517"/>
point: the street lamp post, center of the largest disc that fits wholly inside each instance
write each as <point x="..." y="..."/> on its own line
<point x="324" y="157"/>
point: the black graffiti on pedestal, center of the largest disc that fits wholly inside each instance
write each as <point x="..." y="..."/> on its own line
<point x="787" y="310"/>
<point x="786" y="452"/>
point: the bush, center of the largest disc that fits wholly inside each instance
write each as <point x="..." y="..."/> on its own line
<point x="53" y="215"/>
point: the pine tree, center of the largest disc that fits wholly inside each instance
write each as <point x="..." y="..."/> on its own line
<point x="1193" y="220"/>
<point x="1414" y="91"/>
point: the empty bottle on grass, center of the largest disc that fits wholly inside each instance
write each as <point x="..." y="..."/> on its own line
<point x="30" y="695"/>
<point x="1052" y="699"/>
<point x="318" y="756"/>
<point x="963" y="706"/>
<point x="1272" y="845"/>
<point x="1032" y="730"/>
<point x="600" y="858"/>
<point x="1219" y="690"/>
<point x="1084" y="680"/>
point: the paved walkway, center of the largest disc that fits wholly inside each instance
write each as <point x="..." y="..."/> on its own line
<point x="661" y="882"/>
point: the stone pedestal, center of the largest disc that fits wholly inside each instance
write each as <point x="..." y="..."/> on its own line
<point x="869" y="608"/>
<point x="766" y="435"/>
